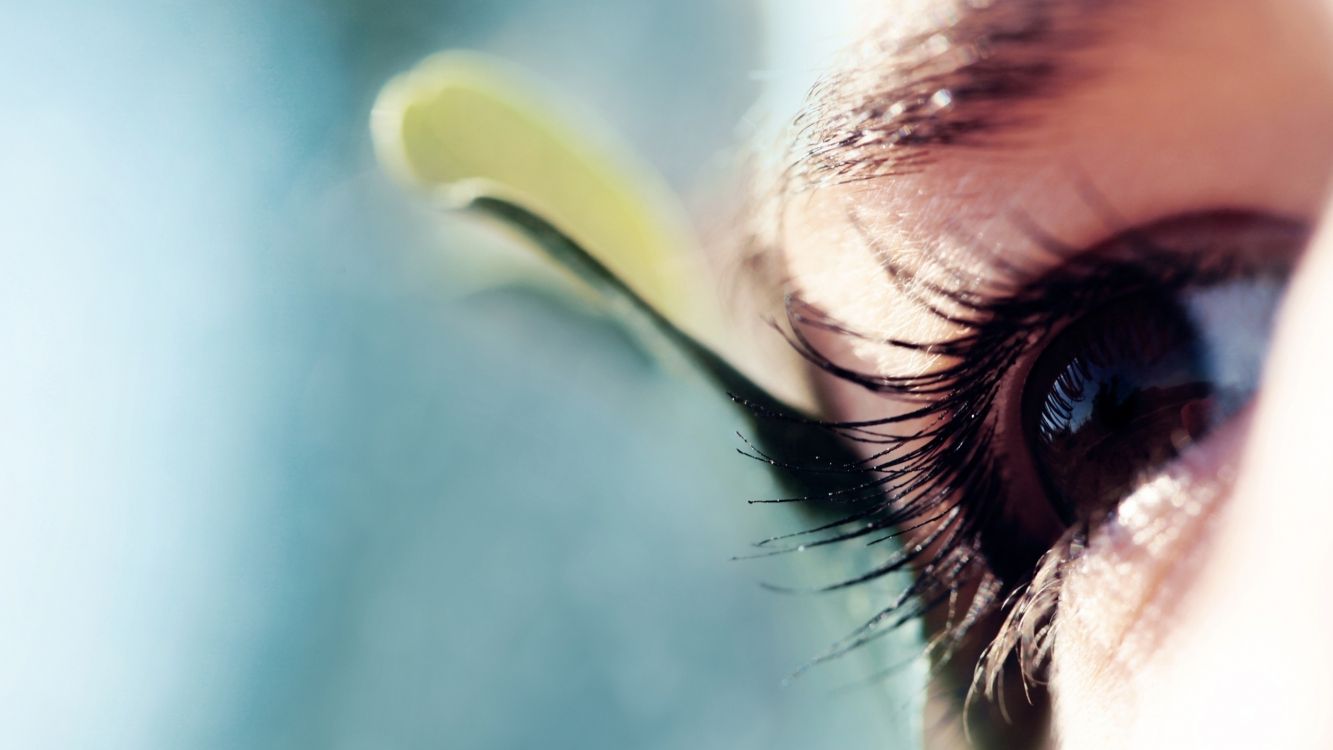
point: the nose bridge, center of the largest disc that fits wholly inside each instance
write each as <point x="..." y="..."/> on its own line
<point x="1281" y="527"/>
<point x="1255" y="642"/>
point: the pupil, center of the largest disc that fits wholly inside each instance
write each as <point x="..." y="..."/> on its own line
<point x="1114" y="397"/>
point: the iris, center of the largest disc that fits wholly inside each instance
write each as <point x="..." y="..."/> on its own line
<point x="1120" y="392"/>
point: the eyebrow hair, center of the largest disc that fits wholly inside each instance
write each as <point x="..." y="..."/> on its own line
<point x="882" y="114"/>
<point x="954" y="84"/>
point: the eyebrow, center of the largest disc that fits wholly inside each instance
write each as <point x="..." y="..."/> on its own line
<point x="954" y="84"/>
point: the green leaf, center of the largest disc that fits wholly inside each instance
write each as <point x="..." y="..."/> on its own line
<point x="466" y="126"/>
<point x="474" y="130"/>
<point x="472" y="124"/>
<point x="481" y="135"/>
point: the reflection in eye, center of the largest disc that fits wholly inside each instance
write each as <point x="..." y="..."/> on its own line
<point x="1125" y="389"/>
<point x="1110" y="361"/>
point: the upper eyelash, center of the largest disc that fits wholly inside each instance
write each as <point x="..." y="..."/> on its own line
<point x="949" y="473"/>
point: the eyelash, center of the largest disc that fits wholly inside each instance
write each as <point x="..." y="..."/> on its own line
<point x="950" y="474"/>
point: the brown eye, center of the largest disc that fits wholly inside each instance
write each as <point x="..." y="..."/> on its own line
<point x="1121" y="391"/>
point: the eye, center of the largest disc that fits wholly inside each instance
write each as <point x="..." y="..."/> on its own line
<point x="1071" y="379"/>
<point x="1120" y="392"/>
<point x="1122" y="355"/>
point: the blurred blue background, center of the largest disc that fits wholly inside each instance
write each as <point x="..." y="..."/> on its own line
<point x="276" y="475"/>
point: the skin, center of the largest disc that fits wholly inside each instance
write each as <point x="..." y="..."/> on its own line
<point x="1222" y="635"/>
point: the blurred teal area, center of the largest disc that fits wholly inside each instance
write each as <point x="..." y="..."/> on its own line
<point x="271" y="480"/>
